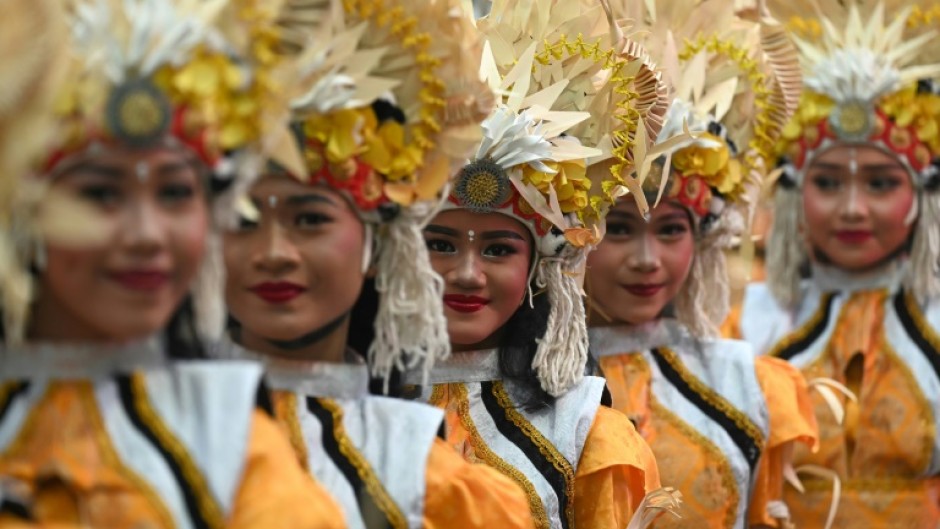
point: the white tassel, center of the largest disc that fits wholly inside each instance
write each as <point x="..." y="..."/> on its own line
<point x="562" y="352"/>
<point x="703" y="302"/>
<point x="208" y="291"/>
<point x="785" y="251"/>
<point x="922" y="277"/>
<point x="410" y="327"/>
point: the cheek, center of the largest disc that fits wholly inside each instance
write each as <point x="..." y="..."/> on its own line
<point x="602" y="266"/>
<point x="816" y="207"/>
<point x="334" y="262"/>
<point x="188" y="242"/>
<point x="891" y="211"/>
<point x="677" y="258"/>
<point x="71" y="273"/>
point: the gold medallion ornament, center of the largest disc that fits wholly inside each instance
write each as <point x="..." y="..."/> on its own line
<point x="138" y="112"/>
<point x="482" y="186"/>
<point x="852" y="120"/>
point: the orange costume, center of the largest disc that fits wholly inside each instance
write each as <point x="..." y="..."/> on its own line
<point x="720" y="423"/>
<point x="581" y="463"/>
<point x="874" y="331"/>
<point x="124" y="438"/>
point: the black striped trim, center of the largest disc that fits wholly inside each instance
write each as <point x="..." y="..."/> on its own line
<point x="748" y="446"/>
<point x="801" y="339"/>
<point x="190" y="496"/>
<point x="372" y="514"/>
<point x="509" y="430"/>
<point x="913" y="322"/>
<point x="16" y="509"/>
<point x="8" y="393"/>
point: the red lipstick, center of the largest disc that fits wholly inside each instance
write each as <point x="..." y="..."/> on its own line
<point x="277" y="291"/>
<point x="141" y="280"/>
<point x="466" y="304"/>
<point x="644" y="290"/>
<point x="853" y="236"/>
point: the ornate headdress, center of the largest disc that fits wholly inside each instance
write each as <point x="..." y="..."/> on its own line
<point x="736" y="82"/>
<point x="389" y="118"/>
<point x="204" y="76"/>
<point x="576" y="104"/>
<point x="870" y="80"/>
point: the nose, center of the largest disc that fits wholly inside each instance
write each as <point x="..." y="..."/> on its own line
<point x="144" y="230"/>
<point x="468" y="274"/>
<point x="277" y="253"/>
<point x="645" y="256"/>
<point x="853" y="205"/>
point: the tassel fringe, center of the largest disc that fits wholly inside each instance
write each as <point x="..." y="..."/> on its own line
<point x="562" y="352"/>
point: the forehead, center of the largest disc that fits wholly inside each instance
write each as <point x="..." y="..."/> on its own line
<point x="843" y="156"/>
<point x="628" y="207"/>
<point x="462" y="219"/>
<point x="282" y="185"/>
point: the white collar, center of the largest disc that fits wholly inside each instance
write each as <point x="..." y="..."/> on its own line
<point x="466" y="366"/>
<point x="81" y="360"/>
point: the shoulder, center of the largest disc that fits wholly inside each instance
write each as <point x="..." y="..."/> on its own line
<point x="612" y="441"/>
<point x="789" y="404"/>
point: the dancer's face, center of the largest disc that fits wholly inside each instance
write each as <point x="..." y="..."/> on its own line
<point x="640" y="266"/>
<point x="856" y="204"/>
<point x="484" y="259"/>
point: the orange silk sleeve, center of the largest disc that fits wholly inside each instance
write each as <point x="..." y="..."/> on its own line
<point x="791" y="420"/>
<point x="731" y="328"/>
<point x="275" y="491"/>
<point x="616" y="470"/>
<point x="466" y="495"/>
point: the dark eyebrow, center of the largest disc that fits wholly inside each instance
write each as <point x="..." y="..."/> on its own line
<point x="675" y="215"/>
<point x="170" y="168"/>
<point x="441" y="230"/>
<point x="309" y="198"/>
<point x="623" y="214"/>
<point x="828" y="166"/>
<point x="881" y="168"/>
<point x="89" y="166"/>
<point x="501" y="234"/>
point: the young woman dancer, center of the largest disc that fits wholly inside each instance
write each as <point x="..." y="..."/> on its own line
<point x="106" y="417"/>
<point x="508" y="245"/>
<point x="720" y="423"/>
<point x="334" y="270"/>
<point x="852" y="262"/>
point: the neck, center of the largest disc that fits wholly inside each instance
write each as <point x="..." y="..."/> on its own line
<point x="493" y="341"/>
<point x="50" y="321"/>
<point x="324" y="344"/>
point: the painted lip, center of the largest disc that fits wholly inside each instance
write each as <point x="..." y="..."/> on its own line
<point x="466" y="304"/>
<point x="277" y="291"/>
<point x="141" y="280"/>
<point x="644" y="290"/>
<point x="853" y="236"/>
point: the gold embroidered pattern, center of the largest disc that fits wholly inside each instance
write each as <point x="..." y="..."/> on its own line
<point x="713" y="454"/>
<point x="491" y="459"/>
<point x="285" y="409"/>
<point x="920" y="322"/>
<point x="713" y="398"/>
<point x="366" y="474"/>
<point x="208" y="507"/>
<point x="924" y="406"/>
<point x="804" y="329"/>
<point x="546" y="448"/>
<point x="437" y="396"/>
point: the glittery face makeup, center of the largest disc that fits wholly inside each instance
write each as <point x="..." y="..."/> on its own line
<point x="856" y="203"/>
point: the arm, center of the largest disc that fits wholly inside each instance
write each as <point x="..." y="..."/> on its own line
<point x="465" y="495"/>
<point x="616" y="470"/>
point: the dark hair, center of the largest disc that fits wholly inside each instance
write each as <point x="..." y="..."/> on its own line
<point x="517" y="350"/>
<point x="362" y="333"/>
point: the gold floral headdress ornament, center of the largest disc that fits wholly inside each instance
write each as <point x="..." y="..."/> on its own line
<point x="871" y="79"/>
<point x="391" y="114"/>
<point x="736" y="83"/>
<point x="556" y="68"/>
<point x="203" y="76"/>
